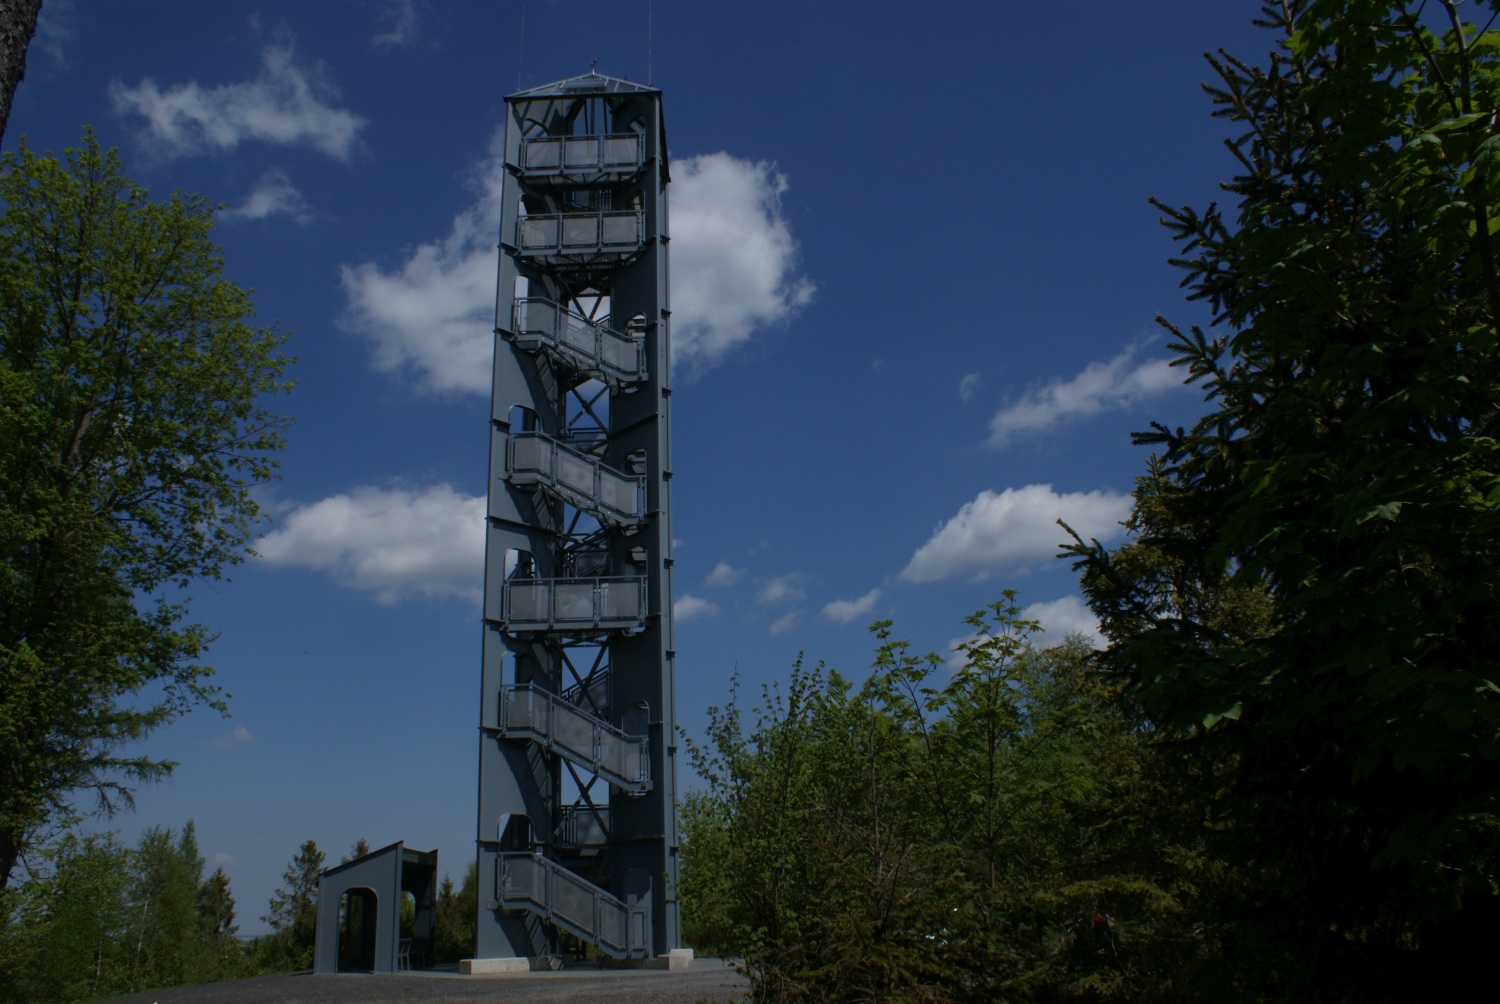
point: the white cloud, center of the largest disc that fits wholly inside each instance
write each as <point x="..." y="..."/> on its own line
<point x="400" y="18"/>
<point x="394" y="542"/>
<point x="221" y="858"/>
<point x="1060" y="618"/>
<point x="435" y="314"/>
<point x="285" y="104"/>
<point x="685" y="608"/>
<point x="272" y="194"/>
<point x="229" y="740"/>
<point x="844" y="611"/>
<point x="732" y="264"/>
<point x="724" y="574"/>
<point x="784" y="623"/>
<point x="784" y="587"/>
<point x="967" y="386"/>
<point x="1118" y="383"/>
<point x="56" y="28"/>
<point x="733" y="256"/>
<point x="1013" y="527"/>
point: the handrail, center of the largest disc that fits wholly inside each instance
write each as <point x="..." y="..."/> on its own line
<point x="579" y="478"/>
<point x="573" y="234"/>
<point x="531" y="882"/>
<point x="530" y="712"/>
<point x="611" y="153"/>
<point x="548" y="604"/>
<point x="589" y="346"/>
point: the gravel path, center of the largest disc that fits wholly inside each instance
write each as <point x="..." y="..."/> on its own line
<point x="706" y="981"/>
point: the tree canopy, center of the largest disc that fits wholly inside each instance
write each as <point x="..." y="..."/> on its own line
<point x="133" y="428"/>
<point x="1307" y="604"/>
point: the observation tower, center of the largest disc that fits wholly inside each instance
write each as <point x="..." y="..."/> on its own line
<point x="577" y="831"/>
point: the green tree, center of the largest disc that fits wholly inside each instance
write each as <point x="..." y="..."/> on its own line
<point x="65" y="931"/>
<point x="294" y="913"/>
<point x="457" y="914"/>
<point x="216" y="907"/>
<point x="1308" y="602"/>
<point x="132" y="431"/>
<point x="166" y="937"/>
<point x="979" y="832"/>
<point x="223" y="955"/>
<point x="360" y="849"/>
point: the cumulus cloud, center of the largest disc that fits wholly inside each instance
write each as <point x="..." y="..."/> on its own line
<point x="783" y="587"/>
<point x="686" y="607"/>
<point x="271" y="195"/>
<point x="1013" y="527"/>
<point x="724" y="574"/>
<point x="733" y="260"/>
<point x="733" y="256"/>
<point x="1060" y="618"/>
<point x="435" y="313"/>
<point x="1119" y="383"/>
<point x="967" y="386"/>
<point x="286" y="104"/>
<point x="394" y="542"/>
<point x="844" y="611"/>
<point x="784" y="623"/>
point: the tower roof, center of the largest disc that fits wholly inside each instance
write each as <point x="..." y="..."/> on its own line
<point x="589" y="83"/>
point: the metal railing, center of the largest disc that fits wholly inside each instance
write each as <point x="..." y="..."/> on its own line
<point x="528" y="712"/>
<point x="580" y="235"/>
<point x="531" y="882"/>
<point x="613" y="153"/>
<point x="594" y="348"/>
<point x="548" y="604"/>
<point x="578" y="478"/>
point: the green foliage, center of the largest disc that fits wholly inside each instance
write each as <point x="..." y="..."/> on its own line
<point x="131" y="435"/>
<point x="166" y="880"/>
<point x="1307" y="605"/>
<point x="66" y="930"/>
<point x="978" y="832"/>
<point x="294" y="914"/>
<point x="98" y="919"/>
<point x="457" y="915"/>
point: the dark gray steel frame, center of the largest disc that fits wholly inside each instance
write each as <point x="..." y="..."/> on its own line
<point x="518" y="777"/>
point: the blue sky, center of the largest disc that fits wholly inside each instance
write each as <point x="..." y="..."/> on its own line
<point x="914" y="282"/>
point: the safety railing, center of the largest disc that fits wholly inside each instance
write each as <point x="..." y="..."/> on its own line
<point x="579" y="237"/>
<point x="596" y="349"/>
<point x="579" y="604"/>
<point x="528" y="712"/>
<point x="578" y="478"/>
<point x="579" y="158"/>
<point x="531" y="882"/>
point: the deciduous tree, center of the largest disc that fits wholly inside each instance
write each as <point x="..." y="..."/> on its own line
<point x="133" y="427"/>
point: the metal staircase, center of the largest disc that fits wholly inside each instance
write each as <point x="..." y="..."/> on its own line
<point x="591" y="347"/>
<point x="551" y="892"/>
<point x="528" y="712"/>
<point x="577" y="478"/>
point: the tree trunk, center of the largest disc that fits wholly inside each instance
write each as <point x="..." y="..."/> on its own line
<point x="17" y="25"/>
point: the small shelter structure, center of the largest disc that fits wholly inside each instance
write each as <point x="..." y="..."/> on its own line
<point x="359" y="912"/>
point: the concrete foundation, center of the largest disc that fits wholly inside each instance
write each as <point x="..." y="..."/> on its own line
<point x="676" y="958"/>
<point x="492" y="967"/>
